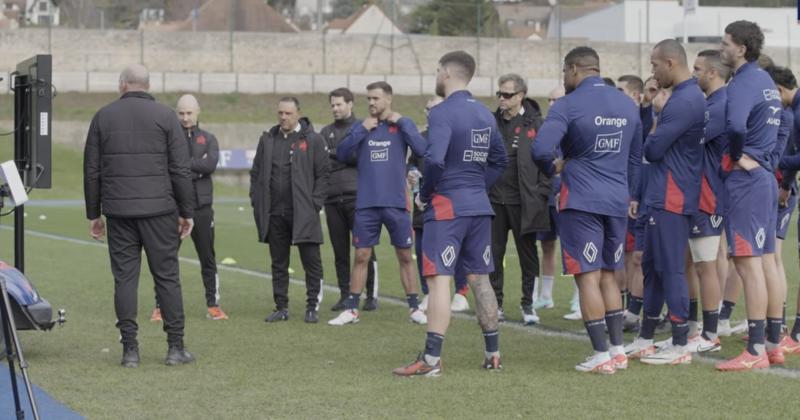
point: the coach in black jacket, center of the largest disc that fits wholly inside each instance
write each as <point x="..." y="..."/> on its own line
<point x="519" y="198"/>
<point x="288" y="185"/>
<point x="136" y="173"/>
<point x="340" y="204"/>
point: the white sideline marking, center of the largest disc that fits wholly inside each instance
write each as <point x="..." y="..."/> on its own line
<point x="537" y="331"/>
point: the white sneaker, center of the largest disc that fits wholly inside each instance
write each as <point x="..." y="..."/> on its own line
<point x="417" y="316"/>
<point x="724" y="328"/>
<point x="423" y="306"/>
<point x="348" y="316"/>
<point x="671" y="355"/>
<point x="529" y="316"/>
<point x="639" y="348"/>
<point x="698" y="344"/>
<point x="598" y="363"/>
<point x="574" y="316"/>
<point x="618" y="355"/>
<point x="459" y="303"/>
<point x="663" y="343"/>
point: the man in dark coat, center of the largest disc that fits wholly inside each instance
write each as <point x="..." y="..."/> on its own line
<point x="519" y="198"/>
<point x="136" y="173"/>
<point x="288" y="185"/>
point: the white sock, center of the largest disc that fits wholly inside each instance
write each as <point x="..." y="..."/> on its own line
<point x="547" y="287"/>
<point x="615" y="350"/>
<point x="489" y="355"/>
<point x="431" y="360"/>
<point x="693" y="328"/>
<point x="535" y="288"/>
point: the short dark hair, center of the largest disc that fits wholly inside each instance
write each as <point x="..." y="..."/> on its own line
<point x="385" y="87"/>
<point x="765" y="61"/>
<point x="585" y="57"/>
<point x="714" y="59"/>
<point x="292" y="99"/>
<point x="670" y="48"/>
<point x="462" y="60"/>
<point x="633" y="81"/>
<point x="748" y="34"/>
<point x="343" y="93"/>
<point x="782" y="76"/>
<point x="609" y="82"/>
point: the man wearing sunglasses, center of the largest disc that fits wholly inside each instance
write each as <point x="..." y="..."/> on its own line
<point x="521" y="190"/>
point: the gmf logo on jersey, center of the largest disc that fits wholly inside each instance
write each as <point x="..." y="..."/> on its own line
<point x="480" y="138"/>
<point x="608" y="143"/>
<point x="381" y="155"/>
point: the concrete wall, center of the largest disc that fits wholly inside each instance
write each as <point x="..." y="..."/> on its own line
<point x="218" y="62"/>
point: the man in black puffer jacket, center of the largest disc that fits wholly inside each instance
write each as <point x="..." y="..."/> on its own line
<point x="519" y="198"/>
<point x="340" y="205"/>
<point x="288" y="184"/>
<point x="136" y="173"/>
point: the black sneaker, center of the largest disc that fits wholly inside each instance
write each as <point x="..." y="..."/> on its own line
<point x="339" y="305"/>
<point x="311" y="316"/>
<point x="130" y="357"/>
<point x="371" y="304"/>
<point x="178" y="356"/>
<point x="278" y="315"/>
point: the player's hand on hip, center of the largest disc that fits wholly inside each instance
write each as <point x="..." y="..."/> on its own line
<point x="185" y="226"/>
<point x="747" y="163"/>
<point x="97" y="228"/>
<point x="370" y="123"/>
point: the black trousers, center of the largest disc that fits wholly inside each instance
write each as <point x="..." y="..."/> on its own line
<point x="509" y="217"/>
<point x="203" y="238"/>
<point x="340" y="217"/>
<point x="160" y="239"/>
<point x="280" y="242"/>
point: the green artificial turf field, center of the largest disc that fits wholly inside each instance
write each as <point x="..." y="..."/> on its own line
<point x="249" y="369"/>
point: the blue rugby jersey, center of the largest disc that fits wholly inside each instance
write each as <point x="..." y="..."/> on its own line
<point x="381" y="161"/>
<point x="753" y="116"/>
<point x="712" y="188"/>
<point x="675" y="153"/>
<point x="599" y="132"/>
<point x="464" y="158"/>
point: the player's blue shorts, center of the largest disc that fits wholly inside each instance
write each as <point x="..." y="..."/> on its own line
<point x="702" y="225"/>
<point x="552" y="234"/>
<point x="367" y="227"/>
<point x="751" y="209"/>
<point x="464" y="242"/>
<point x="785" y="217"/>
<point x="591" y="242"/>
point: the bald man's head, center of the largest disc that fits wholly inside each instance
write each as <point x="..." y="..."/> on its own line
<point x="669" y="65"/>
<point x="188" y="110"/>
<point x="134" y="78"/>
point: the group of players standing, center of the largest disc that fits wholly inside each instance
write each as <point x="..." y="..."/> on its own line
<point x="703" y="175"/>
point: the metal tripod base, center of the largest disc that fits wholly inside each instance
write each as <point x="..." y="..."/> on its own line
<point x="13" y="348"/>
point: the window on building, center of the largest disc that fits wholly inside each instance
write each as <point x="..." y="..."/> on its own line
<point x="43" y="6"/>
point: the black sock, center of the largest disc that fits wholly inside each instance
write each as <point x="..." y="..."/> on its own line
<point x="783" y="317"/>
<point x="635" y="304"/>
<point x="693" y="310"/>
<point x="597" y="333"/>
<point x="796" y="329"/>
<point x="648" y="328"/>
<point x="491" y="340"/>
<point x="774" y="326"/>
<point x="680" y="331"/>
<point x="727" y="309"/>
<point x="413" y="300"/>
<point x="352" y="301"/>
<point x="614" y="324"/>
<point x="433" y="344"/>
<point x="755" y="332"/>
<point x="710" y="319"/>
